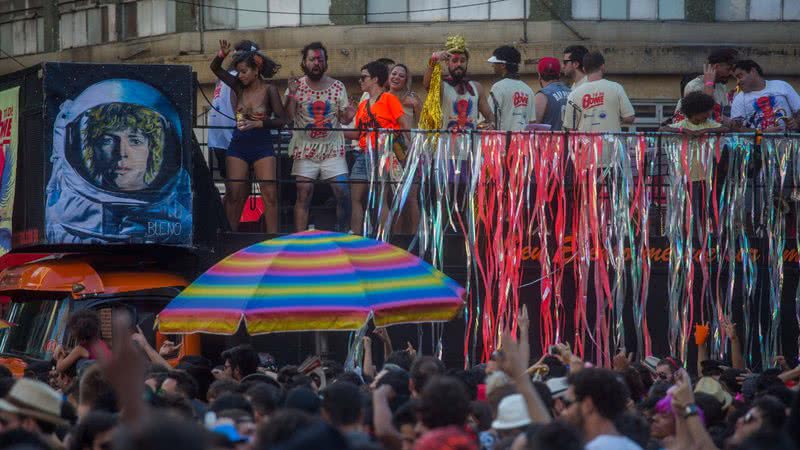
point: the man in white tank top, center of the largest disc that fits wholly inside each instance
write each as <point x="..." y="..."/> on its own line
<point x="462" y="99"/>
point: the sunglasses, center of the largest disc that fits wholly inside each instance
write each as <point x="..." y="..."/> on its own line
<point x="363" y="77"/>
<point x="567" y="61"/>
<point x="567" y="402"/>
<point x="662" y="376"/>
<point x="749" y="418"/>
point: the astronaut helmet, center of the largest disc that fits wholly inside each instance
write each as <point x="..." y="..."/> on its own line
<point x="123" y="137"/>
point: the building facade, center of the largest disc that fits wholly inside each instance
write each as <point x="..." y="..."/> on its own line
<point x="649" y="44"/>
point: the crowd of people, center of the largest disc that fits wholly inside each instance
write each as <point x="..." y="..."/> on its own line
<point x="574" y="95"/>
<point x="130" y="397"/>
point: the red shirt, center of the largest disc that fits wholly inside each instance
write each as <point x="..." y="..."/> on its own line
<point x="387" y="111"/>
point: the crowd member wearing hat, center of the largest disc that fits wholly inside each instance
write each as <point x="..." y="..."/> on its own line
<point x="460" y="98"/>
<point x="510" y="98"/>
<point x="552" y="99"/>
<point x="32" y="406"/>
<point x="512" y="416"/>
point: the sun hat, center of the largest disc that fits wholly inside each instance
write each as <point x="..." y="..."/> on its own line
<point x="34" y="399"/>
<point x="511" y="413"/>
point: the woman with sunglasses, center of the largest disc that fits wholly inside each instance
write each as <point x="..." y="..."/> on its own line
<point x="380" y="110"/>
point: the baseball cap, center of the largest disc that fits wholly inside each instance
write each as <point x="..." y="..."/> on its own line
<point x="549" y="65"/>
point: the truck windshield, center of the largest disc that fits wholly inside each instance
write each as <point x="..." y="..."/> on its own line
<point x="36" y="324"/>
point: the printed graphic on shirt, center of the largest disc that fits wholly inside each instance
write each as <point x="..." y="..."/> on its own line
<point x="319" y="111"/>
<point x="460" y="116"/>
<point x="520" y="99"/>
<point x="767" y="113"/>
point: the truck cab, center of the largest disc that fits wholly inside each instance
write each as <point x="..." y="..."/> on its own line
<point x="45" y="292"/>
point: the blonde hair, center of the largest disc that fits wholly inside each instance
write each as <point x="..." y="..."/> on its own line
<point x="122" y="116"/>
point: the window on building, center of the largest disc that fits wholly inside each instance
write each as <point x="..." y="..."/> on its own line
<point x="628" y="9"/>
<point x="155" y="17"/>
<point x="650" y="114"/>
<point x="253" y="14"/>
<point x="441" y="10"/>
<point x="21" y="28"/>
<point x="82" y="24"/>
<point x="739" y="10"/>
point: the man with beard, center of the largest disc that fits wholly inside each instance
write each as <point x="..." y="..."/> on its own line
<point x="595" y="397"/>
<point x="573" y="72"/>
<point x="714" y="82"/>
<point x="318" y="102"/>
<point x="461" y="98"/>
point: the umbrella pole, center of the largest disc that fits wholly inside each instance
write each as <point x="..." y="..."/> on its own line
<point x="353" y="352"/>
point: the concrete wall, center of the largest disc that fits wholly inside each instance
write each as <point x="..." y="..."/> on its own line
<point x="649" y="56"/>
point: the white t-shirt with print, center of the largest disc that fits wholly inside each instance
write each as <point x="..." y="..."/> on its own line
<point x="513" y="104"/>
<point x="318" y="109"/>
<point x="765" y="108"/>
<point x="597" y="106"/>
<point x="608" y="442"/>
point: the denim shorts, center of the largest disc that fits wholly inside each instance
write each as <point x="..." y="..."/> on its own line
<point x="359" y="170"/>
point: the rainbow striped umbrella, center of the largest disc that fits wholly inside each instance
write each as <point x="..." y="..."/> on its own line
<point x="313" y="281"/>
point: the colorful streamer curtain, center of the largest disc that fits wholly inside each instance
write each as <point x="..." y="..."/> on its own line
<point x="587" y="202"/>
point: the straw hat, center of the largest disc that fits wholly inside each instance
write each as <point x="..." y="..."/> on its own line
<point x="34" y="399"/>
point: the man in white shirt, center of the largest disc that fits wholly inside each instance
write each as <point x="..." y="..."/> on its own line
<point x="511" y="100"/>
<point x="766" y="105"/>
<point x="598" y="105"/>
<point x="573" y="71"/>
<point x="594" y="398"/>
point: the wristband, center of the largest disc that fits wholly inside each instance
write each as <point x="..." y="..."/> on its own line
<point x="709" y="83"/>
<point x="690" y="410"/>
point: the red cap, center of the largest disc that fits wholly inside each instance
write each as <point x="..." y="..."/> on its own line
<point x="549" y="65"/>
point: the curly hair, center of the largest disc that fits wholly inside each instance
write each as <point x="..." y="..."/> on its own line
<point x="84" y="325"/>
<point x="267" y="68"/>
<point x="696" y="103"/>
<point x="112" y="117"/>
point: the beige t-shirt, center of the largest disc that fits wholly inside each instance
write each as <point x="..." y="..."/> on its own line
<point x="597" y="106"/>
<point x="696" y="170"/>
<point x="513" y="104"/>
<point x="580" y="82"/>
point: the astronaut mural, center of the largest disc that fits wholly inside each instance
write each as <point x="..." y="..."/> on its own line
<point x="119" y="163"/>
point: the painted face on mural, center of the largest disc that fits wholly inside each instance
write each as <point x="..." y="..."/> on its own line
<point x="123" y="146"/>
<point x="125" y="153"/>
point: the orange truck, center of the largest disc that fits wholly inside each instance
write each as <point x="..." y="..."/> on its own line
<point x="44" y="292"/>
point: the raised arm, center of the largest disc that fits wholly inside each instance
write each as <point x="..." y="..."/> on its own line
<point x="436" y="57"/>
<point x="222" y="74"/>
<point x="737" y="360"/>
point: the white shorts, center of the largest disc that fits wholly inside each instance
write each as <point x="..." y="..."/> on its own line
<point x="323" y="170"/>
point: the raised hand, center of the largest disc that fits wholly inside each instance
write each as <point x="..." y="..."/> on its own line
<point x="523" y="321"/>
<point x="621" y="362"/>
<point x="168" y="348"/>
<point x="709" y="74"/>
<point x="224" y="48"/>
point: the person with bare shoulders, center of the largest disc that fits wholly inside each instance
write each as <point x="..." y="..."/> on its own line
<point x="251" y="144"/>
<point x="318" y="102"/>
<point x="400" y="82"/>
